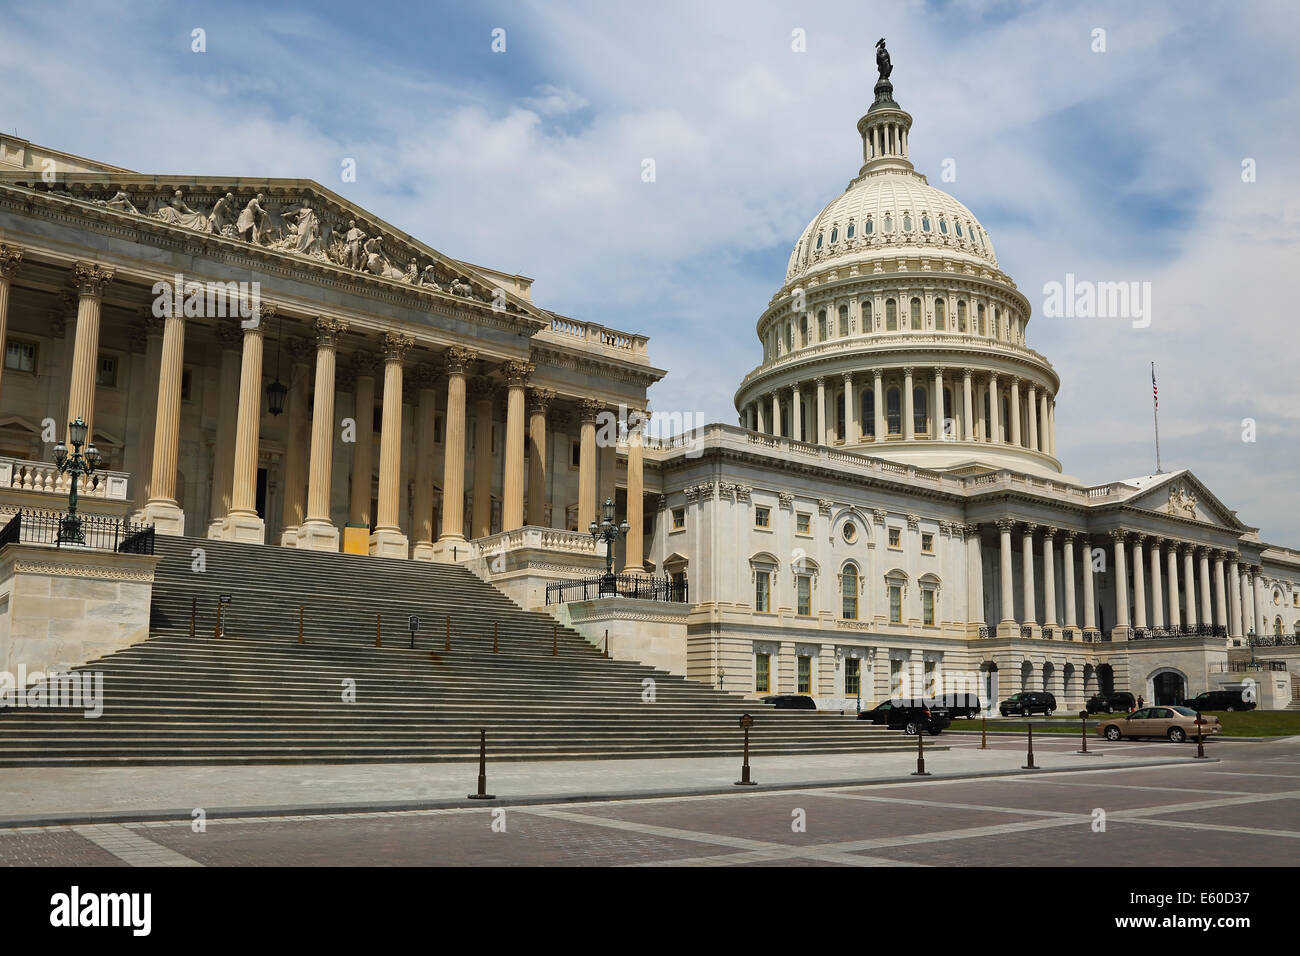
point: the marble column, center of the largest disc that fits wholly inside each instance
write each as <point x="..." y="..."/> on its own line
<point x="538" y="471"/>
<point x="1121" y="580"/>
<point x="878" y="402"/>
<point x="762" y="418"/>
<point x="425" y="379"/>
<point x="1015" y="414"/>
<point x="1049" y="577"/>
<point x="634" y="559"/>
<point x="588" y="409"/>
<point x="796" y="414"/>
<point x="995" y="410"/>
<point x="242" y="522"/>
<point x="1007" y="626"/>
<point x="909" y="409"/>
<point x="1027" y="575"/>
<point x="230" y="338"/>
<point x="1051" y="425"/>
<point x="1067" y="572"/>
<point x="1234" y="577"/>
<point x="852" y="431"/>
<point x="365" y="367"/>
<point x="936" y="408"/>
<point x="1175" y="619"/>
<point x="512" y="505"/>
<point x="974" y="576"/>
<point x="387" y="540"/>
<point x="1189" y="585"/>
<point x="1207" y="597"/>
<point x="10" y="259"/>
<point x="450" y="545"/>
<point x="1220" y="593"/>
<point x="968" y="408"/>
<point x="1157" y="588"/>
<point x="776" y="414"/>
<point x="1089" y="588"/>
<point x="295" y="466"/>
<point x="142" y="470"/>
<point x="819" y="419"/>
<point x="162" y="510"/>
<point x="1139" y="582"/>
<point x="317" y="532"/>
<point x="90" y="280"/>
<point x="1031" y="401"/>
<point x="1257" y="599"/>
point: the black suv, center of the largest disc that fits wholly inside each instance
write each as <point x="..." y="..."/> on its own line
<point x="960" y="705"/>
<point x="1120" y="703"/>
<point x="791" y="702"/>
<point x="1029" y="702"/>
<point x="911" y="716"/>
<point x="1220" y="700"/>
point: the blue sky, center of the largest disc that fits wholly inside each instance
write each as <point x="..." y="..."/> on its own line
<point x="1122" y="165"/>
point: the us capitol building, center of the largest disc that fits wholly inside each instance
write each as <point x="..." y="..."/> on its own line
<point x="889" y="510"/>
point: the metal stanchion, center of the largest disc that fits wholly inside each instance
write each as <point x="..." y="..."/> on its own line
<point x="984" y="732"/>
<point x="495" y="628"/>
<point x="920" y="754"/>
<point x="606" y="643"/>
<point x="1083" y="734"/>
<point x="746" y="721"/>
<point x="1030" y="765"/>
<point x="194" y="614"/>
<point x="379" y="623"/>
<point x="446" y="643"/>
<point x="482" y="769"/>
<point x="301" y="609"/>
<point x="1200" y="738"/>
<point x="555" y="640"/>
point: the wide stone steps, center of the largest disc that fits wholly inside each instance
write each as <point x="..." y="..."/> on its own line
<point x="256" y="695"/>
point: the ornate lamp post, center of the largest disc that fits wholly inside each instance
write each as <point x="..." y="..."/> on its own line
<point x="609" y="532"/>
<point x="78" y="464"/>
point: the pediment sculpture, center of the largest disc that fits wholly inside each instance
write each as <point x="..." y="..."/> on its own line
<point x="1181" y="502"/>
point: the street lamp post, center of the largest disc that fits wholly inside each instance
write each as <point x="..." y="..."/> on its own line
<point x="608" y="532"/>
<point x="78" y="464"/>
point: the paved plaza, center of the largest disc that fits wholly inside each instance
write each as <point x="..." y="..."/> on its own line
<point x="1159" y="808"/>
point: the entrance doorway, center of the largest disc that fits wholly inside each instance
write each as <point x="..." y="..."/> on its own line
<point x="1168" y="687"/>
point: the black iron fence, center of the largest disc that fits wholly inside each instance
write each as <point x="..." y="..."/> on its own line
<point x="1245" y="667"/>
<point x="641" y="586"/>
<point x="94" y="532"/>
<point x="1183" y="630"/>
<point x="1274" y="640"/>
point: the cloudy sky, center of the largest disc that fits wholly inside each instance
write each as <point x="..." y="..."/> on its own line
<point x="1116" y="165"/>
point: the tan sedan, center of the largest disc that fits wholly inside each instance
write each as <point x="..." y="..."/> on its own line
<point x="1175" y="722"/>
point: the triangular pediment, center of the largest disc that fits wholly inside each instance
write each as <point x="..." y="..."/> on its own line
<point x="298" y="218"/>
<point x="1181" y="494"/>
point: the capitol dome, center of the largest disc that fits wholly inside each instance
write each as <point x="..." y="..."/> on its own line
<point x="896" y="334"/>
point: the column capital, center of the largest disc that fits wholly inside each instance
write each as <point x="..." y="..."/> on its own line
<point x="457" y="359"/>
<point x="970" y="530"/>
<point x="1068" y="535"/>
<point x="1006" y="524"/>
<point x="10" y="258"/>
<point x="266" y="313"/>
<point x="820" y="381"/>
<point x="517" y="372"/>
<point x="540" y="400"/>
<point x="1184" y="548"/>
<point x="1203" y="552"/>
<point x="589" y="408"/>
<point x="908" y="370"/>
<point x="1117" y="534"/>
<point x="90" y="278"/>
<point x="1139" y="539"/>
<point x="329" y="331"/>
<point x="1050" y="532"/>
<point x="967" y="373"/>
<point x="396" y="345"/>
<point x="848" y="378"/>
<point x="365" y="364"/>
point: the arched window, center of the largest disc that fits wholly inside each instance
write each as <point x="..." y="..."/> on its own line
<point x="980" y="312"/>
<point x="789" y="337"/>
<point x="804" y="331"/>
<point x="919" y="415"/>
<point x="819" y="240"/>
<point x="835" y="234"/>
<point x="840" y="424"/>
<point x="997" y="323"/>
<point x="821" y="326"/>
<point x="943" y="225"/>
<point x="891" y="315"/>
<point x="961" y="315"/>
<point x="907" y="222"/>
<point x="957" y="226"/>
<point x="844" y="320"/>
<point x="925" y="223"/>
<point x="916" y="313"/>
<point x="889" y="223"/>
<point x="848" y="234"/>
<point x="849" y="592"/>
<point x="893" y="411"/>
<point x="865" y="308"/>
<point x="940" y="315"/>
<point x="867" y="228"/>
<point x="1006" y="416"/>
<point x="869" y="412"/>
<point x="1277" y="623"/>
<point x="945" y="414"/>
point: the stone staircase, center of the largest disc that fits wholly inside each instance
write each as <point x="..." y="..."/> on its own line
<point x="256" y="695"/>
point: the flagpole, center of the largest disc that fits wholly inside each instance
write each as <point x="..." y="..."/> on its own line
<point x="1155" y="414"/>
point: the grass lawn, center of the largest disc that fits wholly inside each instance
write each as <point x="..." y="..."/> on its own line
<point x="1247" y="723"/>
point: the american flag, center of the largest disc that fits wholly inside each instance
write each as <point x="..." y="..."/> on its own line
<point x="1155" y="392"/>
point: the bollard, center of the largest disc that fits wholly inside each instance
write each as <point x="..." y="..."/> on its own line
<point x="446" y="643"/>
<point x="379" y="640"/>
<point x="482" y="769"/>
<point x="217" y="631"/>
<point x="1200" y="739"/>
<point x="984" y="732"/>
<point x="1083" y="733"/>
<point x="746" y="721"/>
<point x="920" y="754"/>
<point x="1030" y="765"/>
<point x="495" y="627"/>
<point x="301" y="608"/>
<point x="606" y="643"/>
<point x="555" y="640"/>
<point x="194" y="613"/>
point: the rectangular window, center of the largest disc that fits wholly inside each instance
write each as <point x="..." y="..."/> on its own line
<point x="575" y="454"/>
<point x="762" y="517"/>
<point x="803" y="523"/>
<point x="895" y="678"/>
<point x="803" y="587"/>
<point x="929" y="671"/>
<point x="20" y="356"/>
<point x="852" y="677"/>
<point x="679" y="519"/>
<point x="895" y="604"/>
<point x="187" y="383"/>
<point x="927" y="542"/>
<point x="895" y="538"/>
<point x="437" y="429"/>
<point x="927" y="606"/>
<point x="805" y="674"/>
<point x="762" y="596"/>
<point x="106" y="372"/>
<point x="762" y="672"/>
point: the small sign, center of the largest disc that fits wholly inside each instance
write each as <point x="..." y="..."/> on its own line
<point x="746" y="721"/>
<point x="225" y="598"/>
<point x="413" y="622"/>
